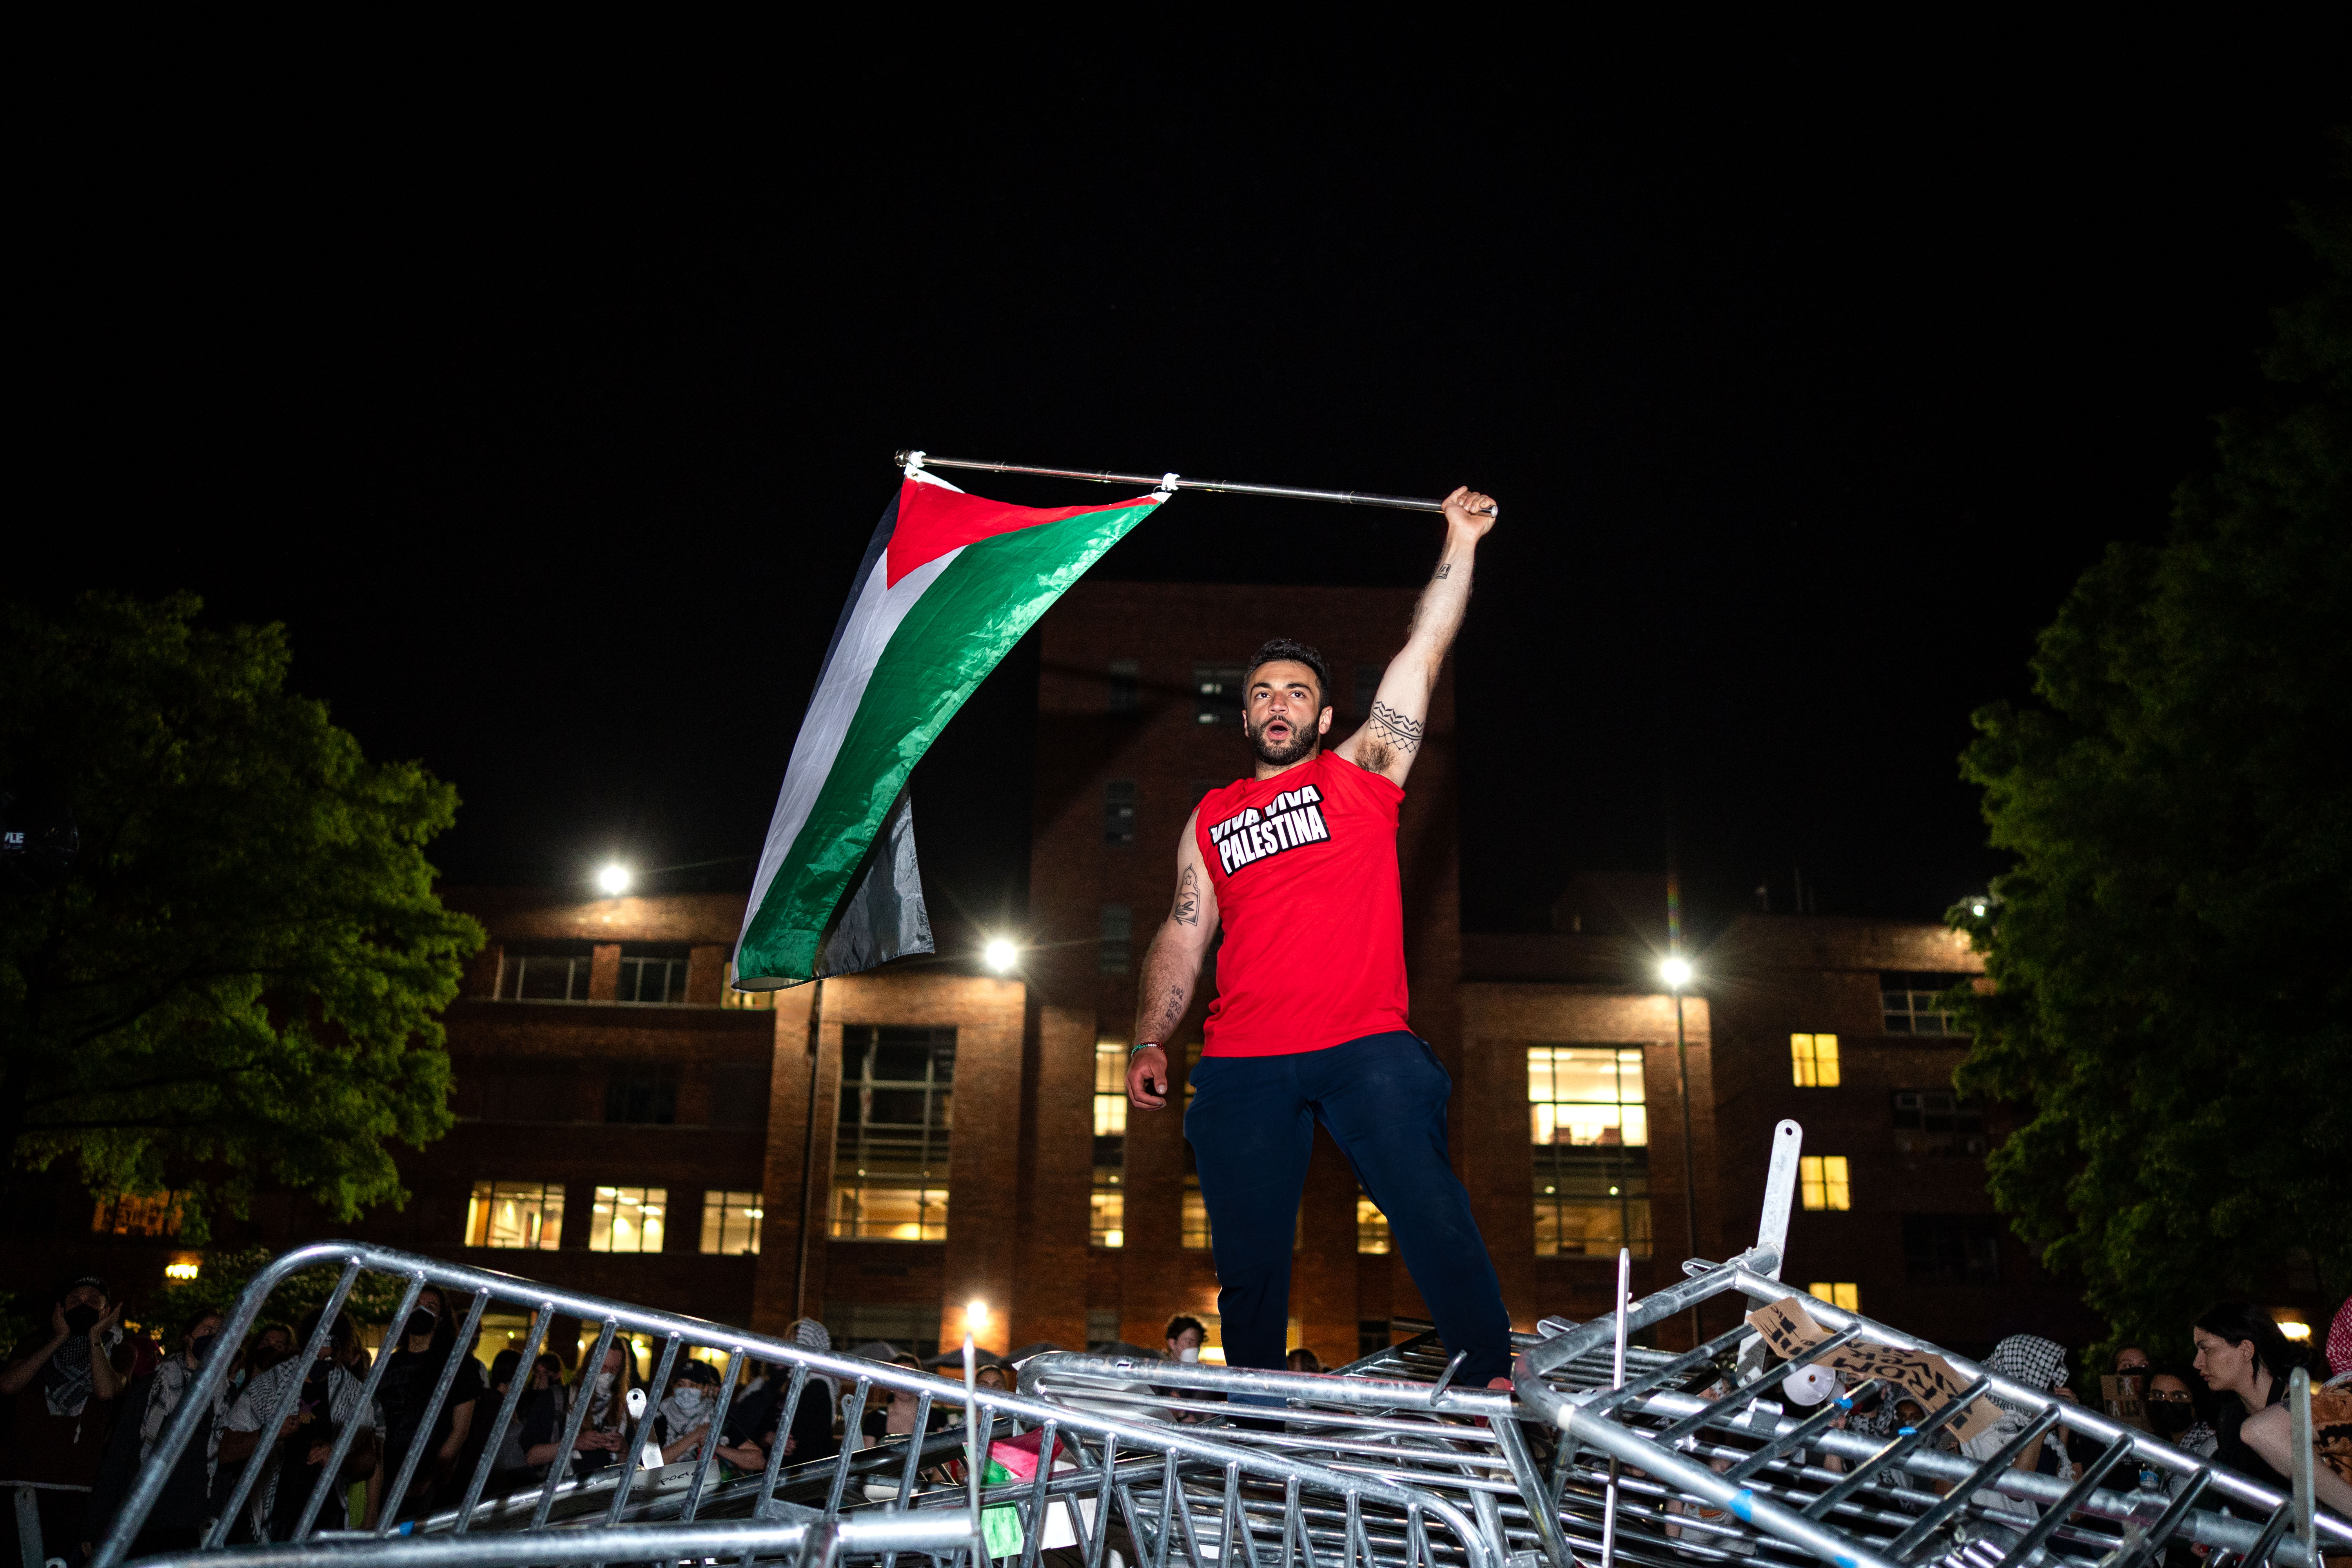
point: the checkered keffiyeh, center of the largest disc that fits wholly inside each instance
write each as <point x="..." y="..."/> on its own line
<point x="2339" y="1341"/>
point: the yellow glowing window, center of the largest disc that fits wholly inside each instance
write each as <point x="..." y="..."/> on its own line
<point x="516" y="1214"/>
<point x="1371" y="1225"/>
<point x="1110" y="1090"/>
<point x="1822" y="1180"/>
<point x="1107" y="1226"/>
<point x="1196" y="1216"/>
<point x="730" y="1223"/>
<point x="628" y="1219"/>
<point x="1813" y="1061"/>
<point x="1846" y="1297"/>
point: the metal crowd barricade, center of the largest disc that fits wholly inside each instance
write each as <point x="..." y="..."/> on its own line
<point x="1170" y="1490"/>
<point x="1708" y="1465"/>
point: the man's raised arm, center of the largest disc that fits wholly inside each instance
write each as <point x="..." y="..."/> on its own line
<point x="1393" y="734"/>
<point x="1171" y="967"/>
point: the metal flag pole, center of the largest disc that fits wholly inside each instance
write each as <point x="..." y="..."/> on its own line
<point x="921" y="459"/>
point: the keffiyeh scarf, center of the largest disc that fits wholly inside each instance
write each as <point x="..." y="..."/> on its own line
<point x="172" y="1380"/>
<point x="67" y="1383"/>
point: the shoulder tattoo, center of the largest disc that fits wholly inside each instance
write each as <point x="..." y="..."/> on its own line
<point x="1187" y="911"/>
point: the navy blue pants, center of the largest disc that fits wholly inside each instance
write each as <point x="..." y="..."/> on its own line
<point x="1382" y="1098"/>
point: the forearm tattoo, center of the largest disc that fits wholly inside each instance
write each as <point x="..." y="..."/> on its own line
<point x="1159" y="1024"/>
<point x="1445" y="570"/>
<point x="1396" y="733"/>
<point x="1187" y="911"/>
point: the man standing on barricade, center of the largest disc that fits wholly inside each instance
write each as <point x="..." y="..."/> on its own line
<point x="1298" y="865"/>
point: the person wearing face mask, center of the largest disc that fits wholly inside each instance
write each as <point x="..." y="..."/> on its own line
<point x="326" y="1401"/>
<point x="60" y="1393"/>
<point x="604" y="1431"/>
<point x="180" y="1512"/>
<point x="1185" y="1338"/>
<point x="2172" y="1413"/>
<point x="409" y="1378"/>
<point x="682" y="1421"/>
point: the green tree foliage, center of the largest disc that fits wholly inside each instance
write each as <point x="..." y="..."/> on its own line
<point x="241" y="979"/>
<point x="2173" y="949"/>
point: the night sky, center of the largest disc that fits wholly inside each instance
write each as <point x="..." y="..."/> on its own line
<point x="1808" y="384"/>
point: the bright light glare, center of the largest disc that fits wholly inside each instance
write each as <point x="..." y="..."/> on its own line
<point x="613" y="880"/>
<point x="1000" y="955"/>
<point x="2296" y="1331"/>
<point x="1677" y="972"/>
<point x="1977" y="909"/>
<point x="975" y="1315"/>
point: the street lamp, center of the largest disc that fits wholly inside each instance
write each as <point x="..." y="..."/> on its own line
<point x="614" y="878"/>
<point x="1676" y="973"/>
<point x="999" y="954"/>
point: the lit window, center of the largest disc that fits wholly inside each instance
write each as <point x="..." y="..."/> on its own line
<point x="652" y="974"/>
<point x="130" y="1214"/>
<point x="628" y="1219"/>
<point x="1196" y="1217"/>
<point x="730" y="1223"/>
<point x="516" y="1214"/>
<point x="890" y="1149"/>
<point x="1108" y="1224"/>
<point x="1847" y="1297"/>
<point x="558" y="973"/>
<point x="1371" y="1225"/>
<point x="1813" y="1061"/>
<point x="1119" y="811"/>
<point x="1822" y="1180"/>
<point x="1588" y="1123"/>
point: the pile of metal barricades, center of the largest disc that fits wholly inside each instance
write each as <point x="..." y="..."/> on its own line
<point x="1602" y="1453"/>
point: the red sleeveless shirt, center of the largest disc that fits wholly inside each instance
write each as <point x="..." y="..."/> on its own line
<point x="1305" y="869"/>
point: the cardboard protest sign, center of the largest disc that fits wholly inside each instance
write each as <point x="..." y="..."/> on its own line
<point x="2126" y="1401"/>
<point x="1791" y="1333"/>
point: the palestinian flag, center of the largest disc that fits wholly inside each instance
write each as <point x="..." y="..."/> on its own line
<point x="949" y="584"/>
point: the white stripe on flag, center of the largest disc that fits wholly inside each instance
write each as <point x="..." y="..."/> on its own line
<point x="880" y="607"/>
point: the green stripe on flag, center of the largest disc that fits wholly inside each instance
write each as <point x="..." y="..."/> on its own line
<point x="961" y="628"/>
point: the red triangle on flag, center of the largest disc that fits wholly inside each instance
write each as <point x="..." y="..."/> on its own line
<point x="934" y="520"/>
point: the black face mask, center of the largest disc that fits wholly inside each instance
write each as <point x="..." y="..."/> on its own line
<point x="200" y="1347"/>
<point x="81" y="1319"/>
<point x="2170" y="1417"/>
<point x="422" y="1323"/>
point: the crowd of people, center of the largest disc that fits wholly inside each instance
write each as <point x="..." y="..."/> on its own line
<point x="85" y="1406"/>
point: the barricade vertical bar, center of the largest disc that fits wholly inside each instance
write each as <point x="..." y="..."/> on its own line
<point x="583" y="1395"/>
<point x="462" y="1350"/>
<point x="1616" y="1380"/>
<point x="972" y="1446"/>
<point x="525" y="1370"/>
<point x="776" y="1449"/>
<point x="1044" y="1473"/>
<point x="717" y="1433"/>
<point x="266" y="1448"/>
<point x="642" y="1434"/>
<point x="2298" y="1404"/>
<point x="324" y="1487"/>
<point x="852" y="1418"/>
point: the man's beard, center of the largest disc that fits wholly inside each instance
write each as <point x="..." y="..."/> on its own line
<point x="1300" y="746"/>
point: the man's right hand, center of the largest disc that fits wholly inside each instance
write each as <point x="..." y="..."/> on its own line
<point x="1147" y="1079"/>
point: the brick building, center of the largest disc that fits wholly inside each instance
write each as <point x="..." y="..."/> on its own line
<point x="630" y="1126"/>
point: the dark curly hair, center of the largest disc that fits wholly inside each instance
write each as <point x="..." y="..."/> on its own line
<point x="1298" y="653"/>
